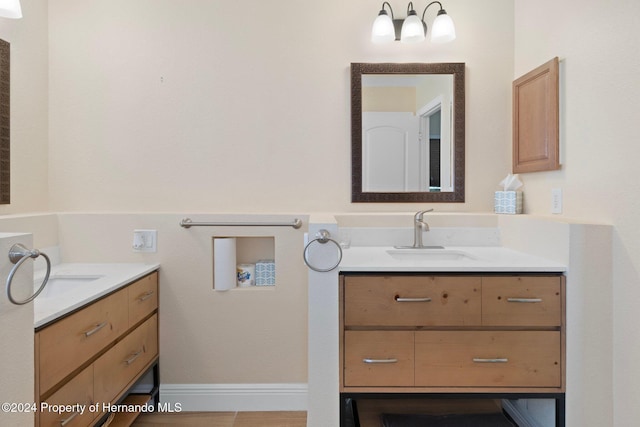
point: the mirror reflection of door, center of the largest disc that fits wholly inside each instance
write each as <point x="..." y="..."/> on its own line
<point x="407" y="133"/>
<point x="389" y="151"/>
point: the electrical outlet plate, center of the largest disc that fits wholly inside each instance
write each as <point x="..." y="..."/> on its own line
<point x="145" y="240"/>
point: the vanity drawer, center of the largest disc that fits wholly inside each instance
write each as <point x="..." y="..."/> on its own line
<point x="143" y="298"/>
<point x="488" y="359"/>
<point x="379" y="300"/>
<point x="115" y="369"/>
<point x="78" y="391"/>
<point x="378" y="358"/>
<point x="72" y="341"/>
<point x="522" y="301"/>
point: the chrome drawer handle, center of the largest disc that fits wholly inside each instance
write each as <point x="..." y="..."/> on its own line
<point x="96" y="329"/>
<point x="133" y="357"/>
<point x="401" y="299"/>
<point x="526" y="300"/>
<point x="66" y="421"/>
<point x="145" y="296"/>
<point x="380" y="360"/>
<point x="497" y="360"/>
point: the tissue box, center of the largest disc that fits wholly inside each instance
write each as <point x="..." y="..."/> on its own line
<point x="508" y="202"/>
<point x="265" y="272"/>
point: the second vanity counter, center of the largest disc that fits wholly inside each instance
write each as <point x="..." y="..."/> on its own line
<point x="72" y="286"/>
<point x="450" y="259"/>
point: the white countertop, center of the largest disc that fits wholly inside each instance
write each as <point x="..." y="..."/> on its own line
<point x="480" y="259"/>
<point x="59" y="299"/>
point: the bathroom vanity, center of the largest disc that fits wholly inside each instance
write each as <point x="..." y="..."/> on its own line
<point x="90" y="356"/>
<point x="450" y="326"/>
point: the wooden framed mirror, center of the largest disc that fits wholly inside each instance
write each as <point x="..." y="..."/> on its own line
<point x="407" y="132"/>
<point x="5" y="131"/>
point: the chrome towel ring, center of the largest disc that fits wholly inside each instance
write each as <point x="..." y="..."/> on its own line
<point x="18" y="254"/>
<point x="322" y="237"/>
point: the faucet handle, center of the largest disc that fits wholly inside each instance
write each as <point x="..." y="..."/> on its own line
<point x="419" y="214"/>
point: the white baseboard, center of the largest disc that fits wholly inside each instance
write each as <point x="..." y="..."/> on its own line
<point x="236" y="397"/>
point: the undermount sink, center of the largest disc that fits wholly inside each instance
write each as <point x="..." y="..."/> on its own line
<point x="63" y="283"/>
<point x="435" y="254"/>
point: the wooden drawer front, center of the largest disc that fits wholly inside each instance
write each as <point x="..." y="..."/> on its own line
<point x="115" y="369"/>
<point x="78" y="391"/>
<point x="488" y="359"/>
<point x="143" y="298"/>
<point x="412" y="301"/>
<point x="378" y="358"/>
<point x="521" y="301"/>
<point x="70" y="342"/>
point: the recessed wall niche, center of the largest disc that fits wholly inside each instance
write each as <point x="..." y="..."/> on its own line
<point x="230" y="252"/>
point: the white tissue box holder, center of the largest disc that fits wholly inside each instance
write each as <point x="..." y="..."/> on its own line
<point x="265" y="272"/>
<point x="508" y="202"/>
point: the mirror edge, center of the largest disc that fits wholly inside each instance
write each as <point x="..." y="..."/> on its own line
<point x="458" y="71"/>
<point x="5" y="123"/>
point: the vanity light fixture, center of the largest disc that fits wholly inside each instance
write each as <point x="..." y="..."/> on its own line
<point x="10" y="9"/>
<point x="412" y="29"/>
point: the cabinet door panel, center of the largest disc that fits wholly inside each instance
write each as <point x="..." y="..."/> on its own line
<point x="488" y="359"/>
<point x="69" y="343"/>
<point x="375" y="358"/>
<point x="521" y="301"/>
<point x="78" y="391"/>
<point x="115" y="369"/>
<point x="412" y="301"/>
<point x="143" y="298"/>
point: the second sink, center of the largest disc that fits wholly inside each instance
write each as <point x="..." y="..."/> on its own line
<point x="63" y="283"/>
<point x="430" y="254"/>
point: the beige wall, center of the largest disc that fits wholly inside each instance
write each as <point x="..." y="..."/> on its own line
<point x="599" y="63"/>
<point x="209" y="106"/>
<point x="384" y="99"/>
<point x="16" y="350"/>
<point x="29" y="108"/>
<point x="164" y="106"/>
<point x="256" y="335"/>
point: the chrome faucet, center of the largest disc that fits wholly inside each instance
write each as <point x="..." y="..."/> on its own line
<point x="419" y="225"/>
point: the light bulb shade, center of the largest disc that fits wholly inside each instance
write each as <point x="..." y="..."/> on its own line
<point x="383" y="30"/>
<point x="10" y="9"/>
<point x="412" y="29"/>
<point x="443" y="29"/>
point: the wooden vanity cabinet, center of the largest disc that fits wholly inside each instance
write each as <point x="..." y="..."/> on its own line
<point x="425" y="334"/>
<point x="95" y="354"/>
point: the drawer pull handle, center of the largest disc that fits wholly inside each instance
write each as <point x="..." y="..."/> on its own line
<point x="145" y="296"/>
<point x="496" y="360"/>
<point x="96" y="329"/>
<point x="380" y="360"/>
<point x="65" y="421"/>
<point x="525" y="300"/>
<point x="402" y="299"/>
<point x="133" y="357"/>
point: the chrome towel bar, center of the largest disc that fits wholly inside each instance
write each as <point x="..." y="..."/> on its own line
<point x="187" y="223"/>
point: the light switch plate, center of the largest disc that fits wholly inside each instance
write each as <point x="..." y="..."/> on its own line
<point x="556" y="200"/>
<point x="145" y="240"/>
